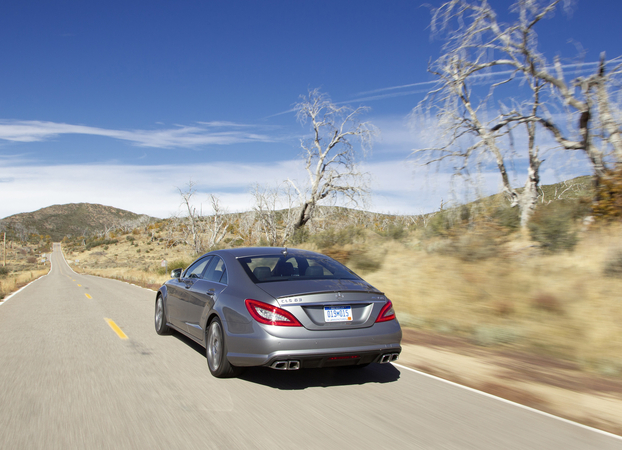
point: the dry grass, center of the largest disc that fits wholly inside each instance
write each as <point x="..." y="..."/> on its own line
<point x="16" y="280"/>
<point x="138" y="262"/>
<point x="559" y="305"/>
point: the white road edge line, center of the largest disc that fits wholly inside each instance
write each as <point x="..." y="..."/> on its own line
<point x="528" y="408"/>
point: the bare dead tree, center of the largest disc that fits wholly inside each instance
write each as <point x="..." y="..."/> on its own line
<point x="331" y="160"/>
<point x="193" y="216"/>
<point x="275" y="212"/>
<point x="217" y="222"/>
<point x="477" y="44"/>
<point x="265" y="208"/>
<point x="245" y="226"/>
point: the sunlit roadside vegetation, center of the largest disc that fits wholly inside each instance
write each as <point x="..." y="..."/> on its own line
<point x="22" y="262"/>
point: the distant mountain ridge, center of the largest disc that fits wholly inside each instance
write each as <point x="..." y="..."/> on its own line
<point x="74" y="219"/>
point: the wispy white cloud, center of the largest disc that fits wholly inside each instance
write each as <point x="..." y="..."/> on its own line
<point x="397" y="186"/>
<point x="142" y="189"/>
<point x="153" y="190"/>
<point x="179" y="136"/>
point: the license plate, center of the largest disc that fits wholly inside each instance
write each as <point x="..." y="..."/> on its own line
<point x="337" y="313"/>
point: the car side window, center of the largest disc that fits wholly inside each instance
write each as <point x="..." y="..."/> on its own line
<point x="216" y="271"/>
<point x="197" y="269"/>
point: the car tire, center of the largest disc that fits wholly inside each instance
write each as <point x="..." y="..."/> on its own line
<point x="160" y="317"/>
<point x="216" y="352"/>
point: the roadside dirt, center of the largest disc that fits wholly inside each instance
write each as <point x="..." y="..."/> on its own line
<point x="553" y="386"/>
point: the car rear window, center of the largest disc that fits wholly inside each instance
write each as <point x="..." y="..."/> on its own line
<point x="292" y="267"/>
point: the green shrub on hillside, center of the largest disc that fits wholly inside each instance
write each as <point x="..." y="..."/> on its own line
<point x="366" y="261"/>
<point x="172" y="265"/>
<point x="97" y="242"/>
<point x="480" y="242"/>
<point x="439" y="224"/>
<point x="552" y="226"/>
<point x="507" y="216"/>
<point x="395" y="231"/>
<point x="331" y="237"/>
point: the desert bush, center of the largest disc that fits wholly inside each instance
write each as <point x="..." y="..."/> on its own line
<point x="4" y="271"/>
<point x="503" y="308"/>
<point x="172" y="265"/>
<point x="31" y="260"/>
<point x="439" y="225"/>
<point x="97" y="242"/>
<point x="331" y="237"/>
<point x="486" y="335"/>
<point x="552" y="226"/>
<point x="547" y="302"/>
<point x="613" y="266"/>
<point x="395" y="231"/>
<point x="366" y="261"/>
<point x="300" y="236"/>
<point x="507" y="217"/>
<point x="478" y="243"/>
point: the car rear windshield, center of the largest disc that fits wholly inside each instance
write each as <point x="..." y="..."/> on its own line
<point x="292" y="267"/>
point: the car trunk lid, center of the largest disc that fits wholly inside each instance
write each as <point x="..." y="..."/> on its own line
<point x="329" y="304"/>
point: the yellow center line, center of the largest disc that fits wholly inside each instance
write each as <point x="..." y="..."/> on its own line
<point x="116" y="328"/>
<point x="80" y="285"/>
<point x="88" y="296"/>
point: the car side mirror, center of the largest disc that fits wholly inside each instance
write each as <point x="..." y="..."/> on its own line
<point x="176" y="273"/>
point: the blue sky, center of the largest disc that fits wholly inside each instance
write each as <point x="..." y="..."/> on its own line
<point x="121" y="103"/>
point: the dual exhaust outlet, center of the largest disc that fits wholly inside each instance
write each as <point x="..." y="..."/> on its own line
<point x="295" y="364"/>
<point x="285" y="365"/>
<point x="388" y="357"/>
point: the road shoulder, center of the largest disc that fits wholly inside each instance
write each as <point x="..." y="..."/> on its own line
<point x="554" y="386"/>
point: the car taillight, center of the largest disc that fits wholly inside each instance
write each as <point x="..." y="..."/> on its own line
<point x="270" y="315"/>
<point x="386" y="313"/>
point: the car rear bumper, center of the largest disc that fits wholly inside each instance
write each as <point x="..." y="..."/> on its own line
<point x="267" y="345"/>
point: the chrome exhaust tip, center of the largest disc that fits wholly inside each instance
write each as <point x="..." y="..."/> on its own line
<point x="385" y="358"/>
<point x="394" y="356"/>
<point x="293" y="365"/>
<point x="279" y="365"/>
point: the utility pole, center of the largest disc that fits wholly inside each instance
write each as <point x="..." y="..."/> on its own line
<point x="4" y="248"/>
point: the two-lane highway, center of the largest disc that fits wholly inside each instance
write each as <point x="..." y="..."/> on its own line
<point x="82" y="367"/>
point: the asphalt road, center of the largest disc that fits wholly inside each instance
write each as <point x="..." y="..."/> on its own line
<point x="69" y="380"/>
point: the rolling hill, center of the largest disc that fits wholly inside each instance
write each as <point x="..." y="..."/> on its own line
<point x="74" y="219"/>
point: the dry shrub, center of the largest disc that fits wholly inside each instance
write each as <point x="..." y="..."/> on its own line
<point x="338" y="254"/>
<point x="477" y="243"/>
<point x="503" y="308"/>
<point x="547" y="302"/>
<point x="609" y="195"/>
<point x="494" y="335"/>
<point x="366" y="260"/>
<point x="553" y="225"/>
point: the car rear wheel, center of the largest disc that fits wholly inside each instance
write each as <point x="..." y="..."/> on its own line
<point x="160" y="317"/>
<point x="216" y="351"/>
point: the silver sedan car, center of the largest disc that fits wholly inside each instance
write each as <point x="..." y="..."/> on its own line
<point x="282" y="308"/>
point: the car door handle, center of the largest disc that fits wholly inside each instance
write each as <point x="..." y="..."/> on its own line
<point x="210" y="292"/>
